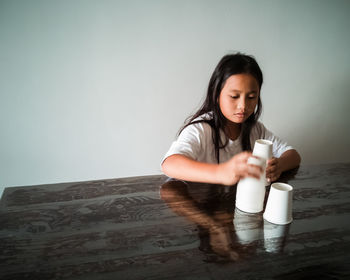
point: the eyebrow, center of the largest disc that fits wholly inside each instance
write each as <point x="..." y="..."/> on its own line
<point x="250" y="92"/>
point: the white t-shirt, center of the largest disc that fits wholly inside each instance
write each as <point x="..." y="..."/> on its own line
<point x="196" y="142"/>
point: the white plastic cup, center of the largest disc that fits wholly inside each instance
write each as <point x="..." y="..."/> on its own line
<point x="263" y="149"/>
<point x="279" y="204"/>
<point x="251" y="191"/>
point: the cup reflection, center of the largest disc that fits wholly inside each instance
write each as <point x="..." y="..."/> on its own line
<point x="248" y="226"/>
<point x="275" y="237"/>
<point x="225" y="233"/>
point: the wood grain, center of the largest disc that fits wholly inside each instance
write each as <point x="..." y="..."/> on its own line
<point x="152" y="227"/>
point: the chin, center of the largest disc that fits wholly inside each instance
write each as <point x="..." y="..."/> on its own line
<point x="238" y="121"/>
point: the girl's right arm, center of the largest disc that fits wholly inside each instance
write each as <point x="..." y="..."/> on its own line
<point x="229" y="173"/>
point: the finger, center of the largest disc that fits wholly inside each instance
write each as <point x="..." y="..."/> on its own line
<point x="239" y="160"/>
<point x="256" y="168"/>
<point x="254" y="171"/>
<point x="268" y="173"/>
<point x="272" y="161"/>
<point x="274" y="177"/>
<point x="273" y="174"/>
<point x="269" y="166"/>
<point x="243" y="171"/>
<point x="271" y="169"/>
<point x="244" y="156"/>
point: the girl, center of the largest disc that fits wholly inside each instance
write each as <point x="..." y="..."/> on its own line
<point x="216" y="142"/>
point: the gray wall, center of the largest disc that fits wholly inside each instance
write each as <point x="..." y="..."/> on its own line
<point x="98" y="89"/>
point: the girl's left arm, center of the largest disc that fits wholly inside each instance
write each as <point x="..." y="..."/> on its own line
<point x="275" y="166"/>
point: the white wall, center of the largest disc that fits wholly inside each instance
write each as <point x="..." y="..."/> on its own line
<point x="98" y="89"/>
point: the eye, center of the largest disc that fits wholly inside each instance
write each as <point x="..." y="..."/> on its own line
<point x="252" y="96"/>
<point x="234" y="96"/>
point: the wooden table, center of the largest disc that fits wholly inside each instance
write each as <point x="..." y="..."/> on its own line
<point x="155" y="228"/>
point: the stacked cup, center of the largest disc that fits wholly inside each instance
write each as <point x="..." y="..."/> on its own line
<point x="251" y="191"/>
<point x="263" y="149"/>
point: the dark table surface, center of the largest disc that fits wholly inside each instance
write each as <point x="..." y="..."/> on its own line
<point x="154" y="228"/>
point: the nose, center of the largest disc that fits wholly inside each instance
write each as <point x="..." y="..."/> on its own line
<point x="241" y="103"/>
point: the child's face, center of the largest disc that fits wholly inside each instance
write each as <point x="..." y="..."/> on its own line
<point x="239" y="97"/>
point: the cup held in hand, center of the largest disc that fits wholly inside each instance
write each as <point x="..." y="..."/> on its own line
<point x="263" y="149"/>
<point x="251" y="191"/>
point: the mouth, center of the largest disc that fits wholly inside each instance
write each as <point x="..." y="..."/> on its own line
<point x="240" y="115"/>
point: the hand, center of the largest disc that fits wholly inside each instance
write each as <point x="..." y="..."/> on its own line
<point x="232" y="171"/>
<point x="221" y="243"/>
<point x="273" y="169"/>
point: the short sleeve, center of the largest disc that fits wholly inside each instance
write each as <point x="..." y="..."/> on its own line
<point x="188" y="143"/>
<point x="279" y="146"/>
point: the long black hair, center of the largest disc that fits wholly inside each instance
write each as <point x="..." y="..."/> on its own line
<point x="229" y="65"/>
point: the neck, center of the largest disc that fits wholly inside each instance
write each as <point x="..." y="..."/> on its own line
<point x="232" y="130"/>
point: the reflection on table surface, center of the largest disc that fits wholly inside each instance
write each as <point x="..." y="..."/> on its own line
<point x="153" y="227"/>
<point x="225" y="232"/>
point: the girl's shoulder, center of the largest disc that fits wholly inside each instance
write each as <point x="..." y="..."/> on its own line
<point x="202" y="122"/>
<point x="199" y="126"/>
<point x="204" y="117"/>
<point x="259" y="129"/>
<point x="260" y="125"/>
